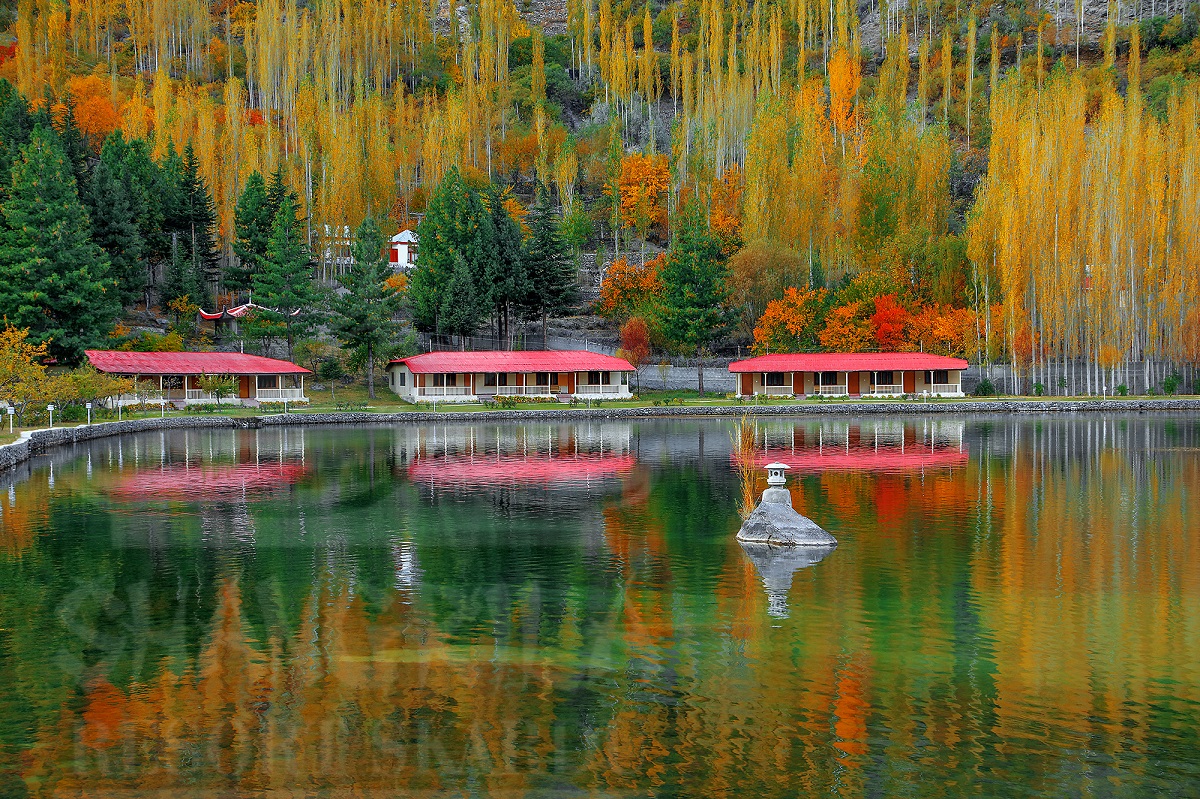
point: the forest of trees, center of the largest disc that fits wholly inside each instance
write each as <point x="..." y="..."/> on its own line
<point x="1010" y="183"/>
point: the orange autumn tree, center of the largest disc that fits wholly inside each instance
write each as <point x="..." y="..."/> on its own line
<point x="789" y="324"/>
<point x="642" y="188"/>
<point x="890" y="324"/>
<point x="635" y="345"/>
<point x="725" y="211"/>
<point x="845" y="77"/>
<point x="628" y="288"/>
<point x="943" y="330"/>
<point x="848" y="328"/>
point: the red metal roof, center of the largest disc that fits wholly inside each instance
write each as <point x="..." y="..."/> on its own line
<point x="189" y="363"/>
<point x="847" y="362"/>
<point x="505" y="361"/>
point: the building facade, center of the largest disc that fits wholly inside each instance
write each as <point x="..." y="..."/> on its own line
<point x="475" y="376"/>
<point x="852" y="374"/>
<point x="175" y="376"/>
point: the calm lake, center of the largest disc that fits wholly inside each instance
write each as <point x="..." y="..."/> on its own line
<point x="555" y="609"/>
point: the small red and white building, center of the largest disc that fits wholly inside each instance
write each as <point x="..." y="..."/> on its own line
<point x="475" y="376"/>
<point x="402" y="252"/>
<point x="853" y="374"/>
<point x="177" y="375"/>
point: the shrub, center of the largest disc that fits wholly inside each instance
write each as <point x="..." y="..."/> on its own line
<point x="1039" y="390"/>
<point x="1123" y="390"/>
<point x="985" y="388"/>
<point x="205" y="407"/>
<point x="1170" y="383"/>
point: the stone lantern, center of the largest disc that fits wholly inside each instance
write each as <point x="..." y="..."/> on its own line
<point x="777" y="523"/>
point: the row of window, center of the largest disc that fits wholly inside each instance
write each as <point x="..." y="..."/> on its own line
<point x="831" y="378"/>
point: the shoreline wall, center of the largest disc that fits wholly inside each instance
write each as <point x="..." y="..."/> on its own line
<point x="39" y="441"/>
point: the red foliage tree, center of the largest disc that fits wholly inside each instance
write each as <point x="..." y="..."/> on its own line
<point x="890" y="324"/>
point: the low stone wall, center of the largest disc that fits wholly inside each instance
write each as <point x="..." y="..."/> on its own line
<point x="40" y="441"/>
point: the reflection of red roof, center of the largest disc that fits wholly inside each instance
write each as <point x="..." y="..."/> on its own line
<point x="519" y="469"/>
<point x="504" y="361"/>
<point x="889" y="459"/>
<point x="189" y="363"/>
<point x="204" y="483"/>
<point x="847" y="362"/>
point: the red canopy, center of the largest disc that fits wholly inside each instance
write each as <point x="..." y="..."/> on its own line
<point x="189" y="363"/>
<point x="508" y="361"/>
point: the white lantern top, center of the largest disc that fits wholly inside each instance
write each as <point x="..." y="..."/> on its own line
<point x="775" y="474"/>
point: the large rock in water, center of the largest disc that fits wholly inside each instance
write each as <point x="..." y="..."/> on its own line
<point x="777" y="523"/>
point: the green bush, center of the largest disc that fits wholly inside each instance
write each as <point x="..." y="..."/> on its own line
<point x="1039" y="390"/>
<point x="1171" y="383"/>
<point x="1123" y="390"/>
<point x="985" y="388"/>
<point x="205" y="407"/>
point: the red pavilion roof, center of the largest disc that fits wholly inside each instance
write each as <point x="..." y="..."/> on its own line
<point x="508" y="361"/>
<point x="847" y="362"/>
<point x="189" y="363"/>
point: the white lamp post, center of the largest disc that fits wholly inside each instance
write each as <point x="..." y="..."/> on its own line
<point x="89" y="410"/>
<point x="51" y="409"/>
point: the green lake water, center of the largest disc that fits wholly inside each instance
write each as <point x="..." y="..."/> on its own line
<point x="562" y="610"/>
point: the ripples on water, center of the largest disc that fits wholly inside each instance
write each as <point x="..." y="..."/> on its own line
<point x="508" y="610"/>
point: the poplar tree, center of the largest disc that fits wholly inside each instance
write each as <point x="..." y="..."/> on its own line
<point x="364" y="317"/>
<point x="548" y="269"/>
<point x="283" y="286"/>
<point x="54" y="279"/>
<point x="693" y="310"/>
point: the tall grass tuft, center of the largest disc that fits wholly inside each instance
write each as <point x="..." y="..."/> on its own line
<point x="745" y="448"/>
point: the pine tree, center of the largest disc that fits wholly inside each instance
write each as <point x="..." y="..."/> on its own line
<point x="253" y="220"/>
<point x="364" y="317"/>
<point x="115" y="229"/>
<point x="283" y="286"/>
<point x="54" y="279"/>
<point x="448" y="233"/>
<point x="549" y="272"/>
<point x="15" y="128"/>
<point x="693" y="310"/>
<point x="461" y="308"/>
<point x="506" y="278"/>
<point x="198" y="220"/>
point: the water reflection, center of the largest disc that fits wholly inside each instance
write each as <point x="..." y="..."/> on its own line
<point x="1021" y="618"/>
<point x="776" y="565"/>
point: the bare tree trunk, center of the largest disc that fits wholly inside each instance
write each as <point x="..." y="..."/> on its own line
<point x="370" y="371"/>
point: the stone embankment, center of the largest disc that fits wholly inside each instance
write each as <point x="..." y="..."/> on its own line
<point x="39" y="441"/>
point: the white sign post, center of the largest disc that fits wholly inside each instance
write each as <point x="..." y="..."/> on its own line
<point x="89" y="410"/>
<point x="11" y="410"/>
<point x="51" y="409"/>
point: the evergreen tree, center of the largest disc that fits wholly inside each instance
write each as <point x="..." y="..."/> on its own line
<point x="253" y="220"/>
<point x="456" y="227"/>
<point x="198" y="221"/>
<point x="284" y="285"/>
<point x="461" y="307"/>
<point x="74" y="145"/>
<point x="693" y="310"/>
<point x="364" y="316"/>
<point x="54" y="279"/>
<point x="549" y="272"/>
<point x="15" y="128"/>
<point x="114" y="228"/>
<point x="278" y="191"/>
<point x="506" y="277"/>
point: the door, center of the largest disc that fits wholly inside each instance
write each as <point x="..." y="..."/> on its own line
<point x="747" y="384"/>
<point x="797" y="383"/>
<point x="910" y="382"/>
<point x="852" y="383"/>
<point x="244" y="387"/>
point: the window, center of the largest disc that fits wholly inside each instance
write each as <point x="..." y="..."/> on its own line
<point x="489" y="380"/>
<point x="593" y="378"/>
<point x="883" y="379"/>
<point x="502" y="379"/>
<point x="172" y="381"/>
<point x="829" y="379"/>
<point x="775" y="379"/>
<point x="606" y="377"/>
<point x="401" y="379"/>
<point x="542" y="379"/>
<point x="268" y="381"/>
<point x="451" y="380"/>
<point x="941" y="377"/>
<point x="445" y="380"/>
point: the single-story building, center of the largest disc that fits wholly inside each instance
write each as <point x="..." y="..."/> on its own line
<point x="854" y="374"/>
<point x="177" y="374"/>
<point x="472" y="376"/>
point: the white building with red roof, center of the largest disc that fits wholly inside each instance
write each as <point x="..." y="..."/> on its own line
<point x="178" y="374"/>
<point x="854" y="374"/>
<point x="474" y="376"/>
